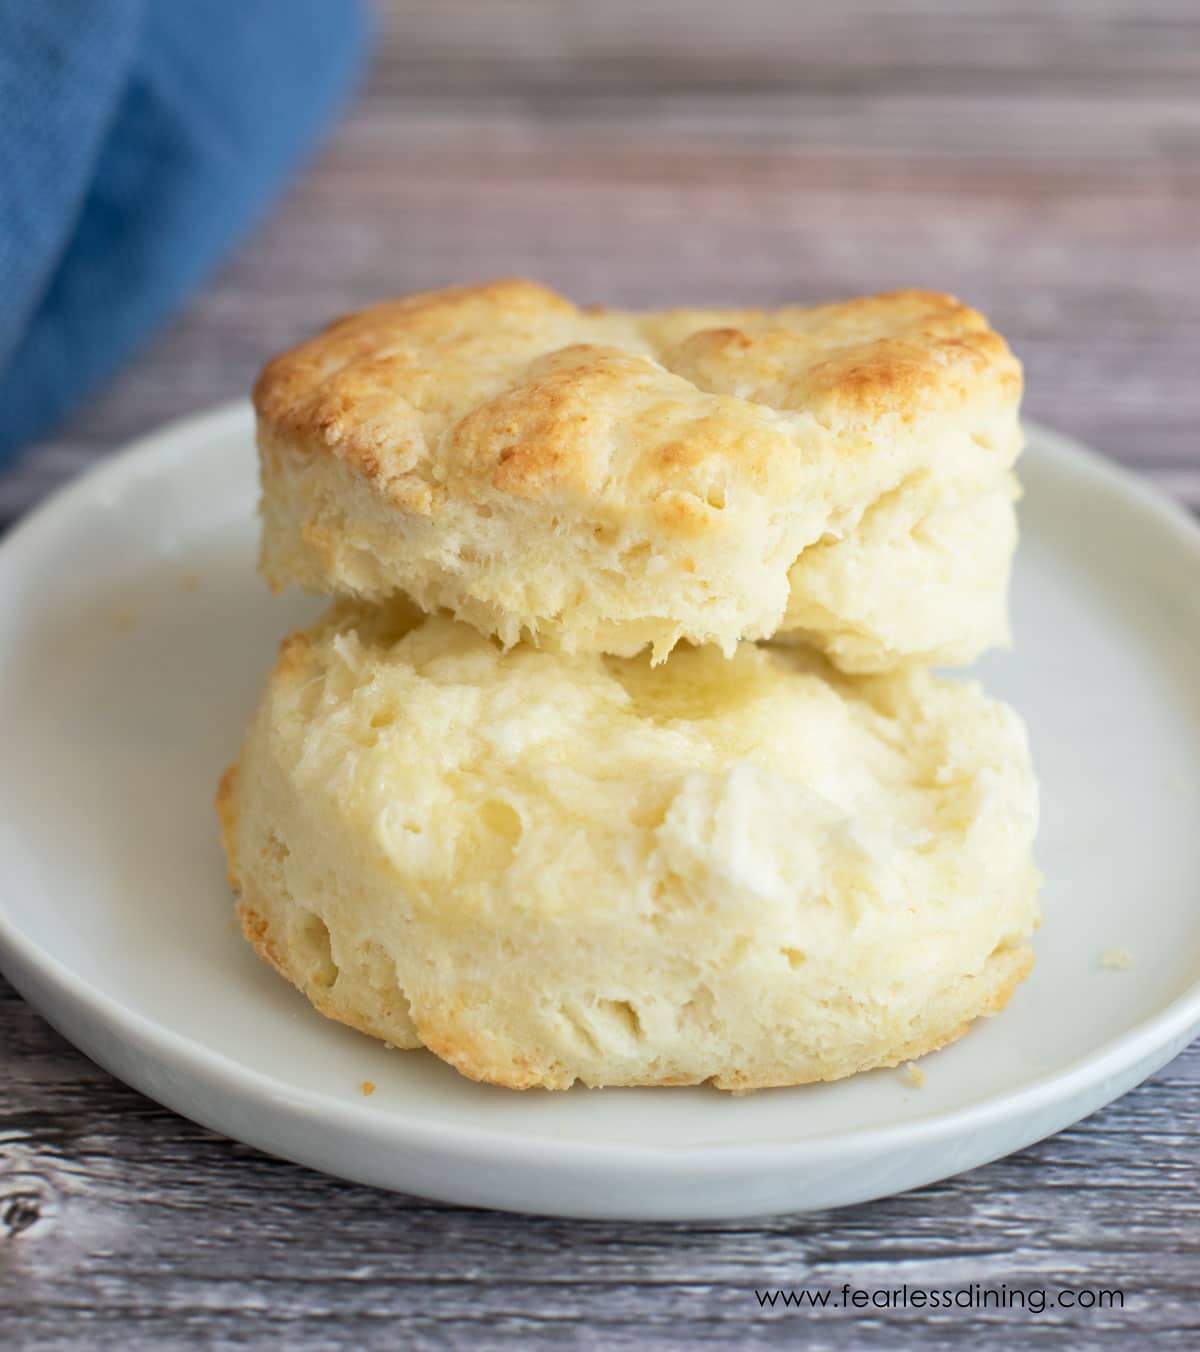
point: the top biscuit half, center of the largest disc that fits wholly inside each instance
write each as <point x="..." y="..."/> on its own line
<point x="599" y="480"/>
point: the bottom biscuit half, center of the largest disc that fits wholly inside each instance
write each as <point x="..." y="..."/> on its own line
<point x="750" y="872"/>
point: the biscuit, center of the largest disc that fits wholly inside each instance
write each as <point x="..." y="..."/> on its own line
<point x="551" y="868"/>
<point x="604" y="481"/>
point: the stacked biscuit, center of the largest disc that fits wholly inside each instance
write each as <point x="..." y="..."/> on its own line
<point x="618" y="758"/>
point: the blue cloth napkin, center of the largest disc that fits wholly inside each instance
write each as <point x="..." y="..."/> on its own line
<point x="138" y="140"/>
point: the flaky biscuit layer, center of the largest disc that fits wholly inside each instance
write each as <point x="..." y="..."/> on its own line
<point x="596" y="480"/>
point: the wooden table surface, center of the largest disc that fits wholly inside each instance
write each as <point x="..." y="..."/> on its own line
<point x="1040" y="159"/>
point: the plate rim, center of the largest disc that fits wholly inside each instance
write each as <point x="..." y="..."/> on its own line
<point x="1139" y="1043"/>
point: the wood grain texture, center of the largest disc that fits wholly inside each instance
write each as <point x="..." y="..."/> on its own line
<point x="122" y="1225"/>
<point x="1041" y="159"/>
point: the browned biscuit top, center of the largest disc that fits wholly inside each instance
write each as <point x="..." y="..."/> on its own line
<point x="509" y="388"/>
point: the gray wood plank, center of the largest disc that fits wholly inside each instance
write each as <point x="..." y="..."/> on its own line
<point x="127" y="1225"/>
<point x="465" y="47"/>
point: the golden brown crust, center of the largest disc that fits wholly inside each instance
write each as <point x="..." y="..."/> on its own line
<point x="604" y="481"/>
<point x="227" y="817"/>
<point x="506" y="377"/>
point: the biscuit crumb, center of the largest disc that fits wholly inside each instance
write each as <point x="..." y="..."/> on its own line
<point x="916" y="1076"/>
<point x="122" y="620"/>
<point x="1116" y="959"/>
<point x="189" y="582"/>
<point x="368" y="1088"/>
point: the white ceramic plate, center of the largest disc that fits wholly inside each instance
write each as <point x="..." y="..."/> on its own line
<point x="134" y="636"/>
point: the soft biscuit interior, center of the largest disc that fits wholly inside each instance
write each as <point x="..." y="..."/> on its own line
<point x="549" y="868"/>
